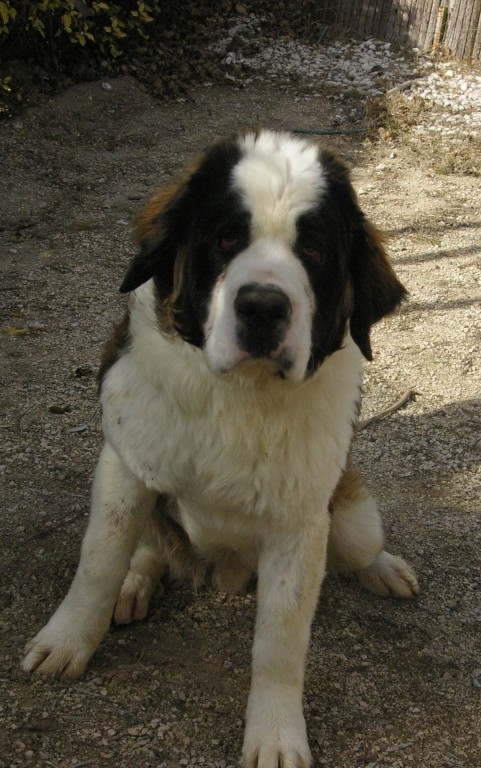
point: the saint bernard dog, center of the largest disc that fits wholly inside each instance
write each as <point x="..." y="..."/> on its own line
<point x="230" y="394"/>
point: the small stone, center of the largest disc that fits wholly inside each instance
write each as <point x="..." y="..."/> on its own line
<point x="60" y="409"/>
<point x="476" y="678"/>
<point x="180" y="696"/>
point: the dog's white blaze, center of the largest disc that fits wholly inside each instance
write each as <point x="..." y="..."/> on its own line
<point x="267" y="260"/>
<point x="280" y="178"/>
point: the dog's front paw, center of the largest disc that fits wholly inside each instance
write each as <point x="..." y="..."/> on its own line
<point x="134" y="598"/>
<point x="390" y="576"/>
<point x="270" y="752"/>
<point x="276" y="741"/>
<point x="63" y="647"/>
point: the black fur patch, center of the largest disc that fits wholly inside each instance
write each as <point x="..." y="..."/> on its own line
<point x="351" y="276"/>
<point x="214" y="214"/>
<point x="187" y="232"/>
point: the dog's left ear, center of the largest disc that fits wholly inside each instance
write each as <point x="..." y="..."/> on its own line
<point x="377" y="291"/>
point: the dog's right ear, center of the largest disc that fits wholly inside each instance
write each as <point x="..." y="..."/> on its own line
<point x="159" y="232"/>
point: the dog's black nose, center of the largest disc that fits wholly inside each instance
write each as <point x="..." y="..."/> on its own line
<point x="263" y="312"/>
<point x="262" y="304"/>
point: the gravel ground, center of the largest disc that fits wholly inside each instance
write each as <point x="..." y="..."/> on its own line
<point x="388" y="683"/>
<point x="355" y="70"/>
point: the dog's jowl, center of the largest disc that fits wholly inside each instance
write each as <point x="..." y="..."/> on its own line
<point x="230" y="393"/>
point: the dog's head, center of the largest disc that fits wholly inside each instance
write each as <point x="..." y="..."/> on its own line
<point x="262" y="254"/>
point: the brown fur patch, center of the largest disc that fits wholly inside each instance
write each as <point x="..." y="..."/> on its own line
<point x="146" y="231"/>
<point x="350" y="487"/>
<point x="165" y="308"/>
<point x="183" y="561"/>
<point x="114" y="347"/>
<point x="146" y="220"/>
<point x="377" y="241"/>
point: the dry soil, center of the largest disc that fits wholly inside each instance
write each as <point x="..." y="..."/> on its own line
<point x="388" y="683"/>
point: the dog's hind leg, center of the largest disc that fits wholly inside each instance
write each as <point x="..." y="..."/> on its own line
<point x="356" y="541"/>
<point x="163" y="546"/>
<point x="231" y="574"/>
<point x="147" y="566"/>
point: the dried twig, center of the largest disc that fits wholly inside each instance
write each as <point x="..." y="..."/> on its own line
<point x="409" y="395"/>
<point x="403" y="86"/>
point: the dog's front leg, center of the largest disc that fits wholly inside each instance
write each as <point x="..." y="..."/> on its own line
<point x="290" y="574"/>
<point x="120" y="505"/>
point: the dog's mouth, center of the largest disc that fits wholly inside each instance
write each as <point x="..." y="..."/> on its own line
<point x="277" y="363"/>
<point x="258" y="331"/>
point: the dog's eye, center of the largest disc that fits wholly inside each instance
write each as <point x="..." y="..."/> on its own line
<point x="314" y="254"/>
<point x="227" y="241"/>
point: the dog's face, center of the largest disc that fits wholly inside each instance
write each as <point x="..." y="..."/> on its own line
<point x="261" y="255"/>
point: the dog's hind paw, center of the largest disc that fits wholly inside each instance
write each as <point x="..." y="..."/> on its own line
<point x="134" y="598"/>
<point x="389" y="576"/>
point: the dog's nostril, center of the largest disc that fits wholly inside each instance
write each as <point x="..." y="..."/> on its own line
<point x="255" y="302"/>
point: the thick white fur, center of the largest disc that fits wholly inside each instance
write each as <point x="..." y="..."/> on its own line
<point x="280" y="178"/>
<point x="252" y="461"/>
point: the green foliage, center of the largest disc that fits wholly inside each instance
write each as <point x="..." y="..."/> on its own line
<point x="53" y="26"/>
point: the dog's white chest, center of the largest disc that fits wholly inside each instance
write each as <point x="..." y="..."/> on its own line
<point x="233" y="453"/>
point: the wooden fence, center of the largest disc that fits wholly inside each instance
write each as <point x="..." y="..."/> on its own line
<point x="424" y="24"/>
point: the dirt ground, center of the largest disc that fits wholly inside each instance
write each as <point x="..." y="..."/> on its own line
<point x="388" y="683"/>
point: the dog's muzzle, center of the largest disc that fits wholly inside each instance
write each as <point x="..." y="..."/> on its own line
<point x="263" y="314"/>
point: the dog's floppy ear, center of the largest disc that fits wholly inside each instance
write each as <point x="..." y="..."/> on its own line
<point x="377" y="291"/>
<point x="158" y="233"/>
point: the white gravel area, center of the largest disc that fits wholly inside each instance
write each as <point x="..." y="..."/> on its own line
<point x="369" y="65"/>
<point x="455" y="95"/>
<point x="366" y="69"/>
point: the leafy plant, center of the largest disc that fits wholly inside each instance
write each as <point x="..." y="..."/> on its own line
<point x="48" y="28"/>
